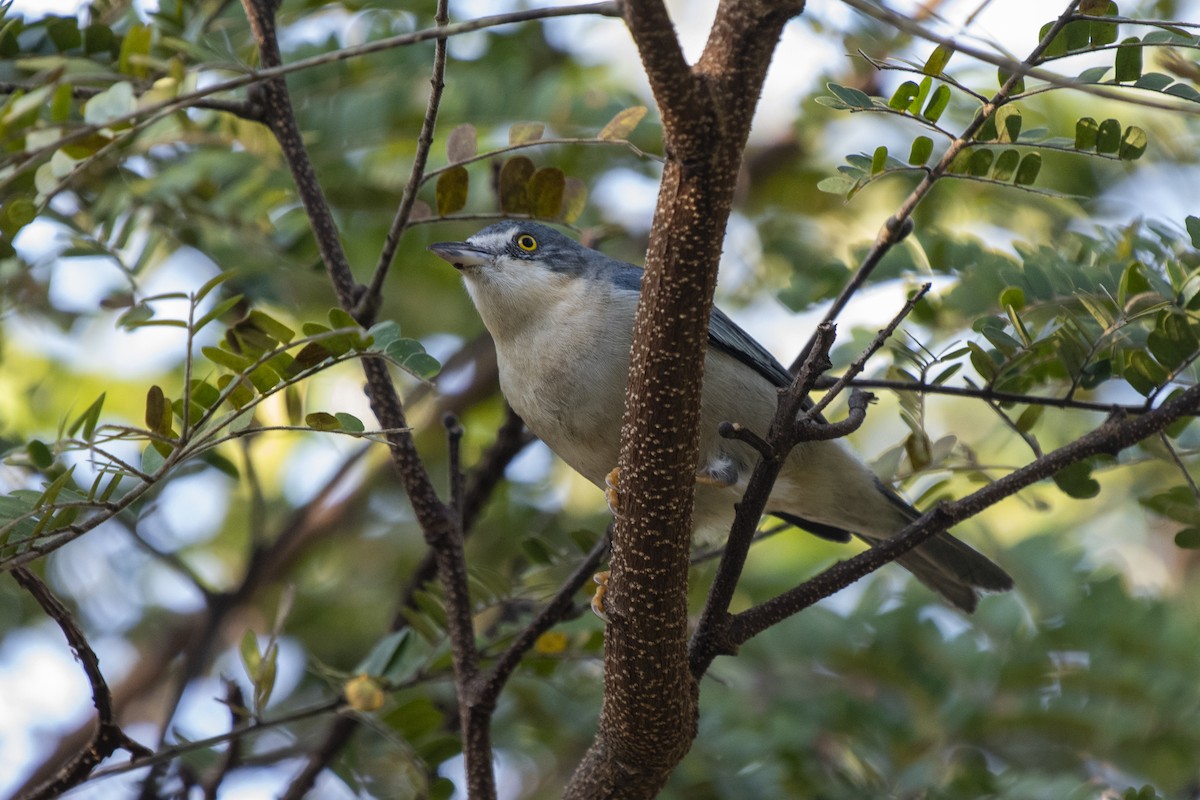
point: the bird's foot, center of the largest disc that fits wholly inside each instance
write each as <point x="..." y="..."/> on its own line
<point x="601" y="580"/>
<point x="720" y="473"/>
<point x="611" y="493"/>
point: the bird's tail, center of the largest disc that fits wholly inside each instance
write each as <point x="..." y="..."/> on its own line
<point x="954" y="570"/>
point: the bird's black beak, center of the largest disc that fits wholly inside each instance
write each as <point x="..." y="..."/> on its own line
<point x="461" y="254"/>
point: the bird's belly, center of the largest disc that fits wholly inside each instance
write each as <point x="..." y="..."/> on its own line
<point x="578" y="417"/>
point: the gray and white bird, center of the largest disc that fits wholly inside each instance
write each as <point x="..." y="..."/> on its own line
<point x="562" y="316"/>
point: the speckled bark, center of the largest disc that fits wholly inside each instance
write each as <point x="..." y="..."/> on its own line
<point x="648" y="720"/>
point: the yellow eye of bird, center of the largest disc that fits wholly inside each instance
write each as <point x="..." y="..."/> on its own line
<point x="527" y="243"/>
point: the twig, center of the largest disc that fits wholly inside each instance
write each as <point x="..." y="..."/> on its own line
<point x="487" y="688"/>
<point x="710" y="637"/>
<point x="900" y="224"/>
<point x="368" y="306"/>
<point x="109" y="737"/>
<point x="239" y="719"/>
<point x="1114" y="435"/>
<point x="856" y="368"/>
<point x="991" y="395"/>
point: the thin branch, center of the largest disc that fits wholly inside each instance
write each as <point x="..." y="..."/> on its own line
<point x="488" y="686"/>
<point x="710" y="636"/>
<point x="188" y="99"/>
<point x="1018" y="68"/>
<point x="1183" y="470"/>
<point x="992" y="395"/>
<point x="109" y="737"/>
<point x="900" y="224"/>
<point x="881" y="337"/>
<point x="369" y="305"/>
<point x="1114" y="435"/>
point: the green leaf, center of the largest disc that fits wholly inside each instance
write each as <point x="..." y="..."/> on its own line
<point x="135" y="49"/>
<point x="1002" y="76"/>
<point x="1006" y="165"/>
<point x="64" y="33"/>
<point x="854" y="98"/>
<point x="461" y="144"/>
<point x="1012" y="297"/>
<point x="158" y="418"/>
<point x="1028" y="170"/>
<point x="1192" y="223"/>
<point x="1143" y="373"/>
<point x="322" y="421"/>
<point x="922" y="149"/>
<point x="211" y="284"/>
<point x="271" y="326"/>
<point x="451" y="190"/>
<point x="838" y="184"/>
<point x="622" y="124"/>
<point x="251" y="658"/>
<point x="1183" y="90"/>
<point x="514" y="181"/>
<point x="938" y="102"/>
<point x="219" y="310"/>
<point x="879" y="160"/>
<point x="1008" y="124"/>
<point x="980" y="162"/>
<point x="523" y="132"/>
<point x="1086" y="130"/>
<point x="385" y="656"/>
<point x="1102" y="33"/>
<point x="1128" y="64"/>
<point x="1154" y="81"/>
<point x="938" y="59"/>
<point x="1057" y="46"/>
<point x="224" y="358"/>
<point x="1188" y="539"/>
<point x="982" y="361"/>
<point x="1077" y="34"/>
<point x="1178" y="503"/>
<point x="1108" y="136"/>
<point x="349" y="422"/>
<point x="88" y="419"/>
<point x="574" y="199"/>
<point x="1029" y="418"/>
<point x="919" y="101"/>
<point x="1077" y="481"/>
<point x="1172" y="342"/>
<point x="1133" y="144"/>
<point x="546" y="192"/>
<point x="39" y="454"/>
<point x="904" y="95"/>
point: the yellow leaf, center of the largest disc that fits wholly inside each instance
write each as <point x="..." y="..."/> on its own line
<point x="551" y="643"/>
<point x="364" y="693"/>
<point x="620" y="126"/>
<point x="524" y="132"/>
<point x="452" y="190"/>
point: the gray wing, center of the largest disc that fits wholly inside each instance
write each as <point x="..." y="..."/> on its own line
<point x="725" y="335"/>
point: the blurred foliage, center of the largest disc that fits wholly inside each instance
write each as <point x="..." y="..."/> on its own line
<point x="160" y="285"/>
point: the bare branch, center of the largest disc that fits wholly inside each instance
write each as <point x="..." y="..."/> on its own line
<point x="900" y="224"/>
<point x="108" y="737"/>
<point x="1113" y="436"/>
<point x="369" y="305"/>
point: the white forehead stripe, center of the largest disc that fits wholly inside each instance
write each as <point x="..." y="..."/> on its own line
<point x="494" y="242"/>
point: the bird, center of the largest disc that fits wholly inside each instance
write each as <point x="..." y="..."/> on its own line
<point x="561" y="316"/>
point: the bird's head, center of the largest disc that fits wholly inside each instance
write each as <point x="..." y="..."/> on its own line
<point x="517" y="270"/>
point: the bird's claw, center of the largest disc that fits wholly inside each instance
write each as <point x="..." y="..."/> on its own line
<point x="601" y="580"/>
<point x="611" y="492"/>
